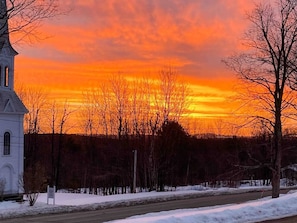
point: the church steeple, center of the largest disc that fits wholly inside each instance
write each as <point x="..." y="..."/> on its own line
<point x="7" y="53"/>
<point x="4" y="35"/>
<point x="12" y="112"/>
<point x="4" y="30"/>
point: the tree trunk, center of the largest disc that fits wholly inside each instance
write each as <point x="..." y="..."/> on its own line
<point x="58" y="164"/>
<point x="53" y="159"/>
<point x="275" y="181"/>
<point x="276" y="162"/>
<point x="276" y="171"/>
<point x="188" y="171"/>
<point x="152" y="164"/>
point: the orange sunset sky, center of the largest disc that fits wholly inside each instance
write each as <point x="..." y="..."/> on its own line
<point x="98" y="38"/>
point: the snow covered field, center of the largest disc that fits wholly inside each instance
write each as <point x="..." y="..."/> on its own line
<point x="262" y="209"/>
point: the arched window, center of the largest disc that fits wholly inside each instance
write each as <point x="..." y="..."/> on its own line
<point x="6" y="150"/>
<point x="6" y="77"/>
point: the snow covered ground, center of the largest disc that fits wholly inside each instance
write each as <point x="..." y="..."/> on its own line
<point x="262" y="209"/>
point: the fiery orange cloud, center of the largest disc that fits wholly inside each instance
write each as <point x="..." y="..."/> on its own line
<point x="138" y="37"/>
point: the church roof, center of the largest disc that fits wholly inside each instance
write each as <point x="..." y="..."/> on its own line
<point x="11" y="103"/>
<point x="6" y="44"/>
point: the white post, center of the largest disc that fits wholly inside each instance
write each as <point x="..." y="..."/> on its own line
<point x="134" y="175"/>
<point x="51" y="194"/>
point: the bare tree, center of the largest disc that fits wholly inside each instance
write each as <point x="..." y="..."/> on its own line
<point x="137" y="101"/>
<point x="88" y="113"/>
<point x="62" y="116"/>
<point x="171" y="96"/>
<point x="136" y="107"/>
<point x="35" y="100"/>
<point x="120" y="92"/>
<point x="26" y="16"/>
<point x="141" y="109"/>
<point x="99" y="110"/>
<point x="57" y="120"/>
<point x="102" y="99"/>
<point x="52" y="120"/>
<point x="33" y="182"/>
<point x="267" y="68"/>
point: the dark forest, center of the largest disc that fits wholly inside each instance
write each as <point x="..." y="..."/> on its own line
<point x="170" y="158"/>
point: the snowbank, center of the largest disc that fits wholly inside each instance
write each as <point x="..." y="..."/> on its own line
<point x="259" y="210"/>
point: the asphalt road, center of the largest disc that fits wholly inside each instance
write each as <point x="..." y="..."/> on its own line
<point x="103" y="215"/>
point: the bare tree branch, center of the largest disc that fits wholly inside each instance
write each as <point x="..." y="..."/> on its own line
<point x="268" y="67"/>
<point x="25" y="17"/>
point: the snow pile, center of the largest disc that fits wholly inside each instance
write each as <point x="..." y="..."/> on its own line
<point x="255" y="211"/>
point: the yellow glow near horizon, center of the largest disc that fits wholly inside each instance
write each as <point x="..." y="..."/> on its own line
<point x="96" y="41"/>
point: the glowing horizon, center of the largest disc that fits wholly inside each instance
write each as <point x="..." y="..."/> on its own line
<point x="138" y="38"/>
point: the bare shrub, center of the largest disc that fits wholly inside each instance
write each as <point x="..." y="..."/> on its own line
<point x="33" y="182"/>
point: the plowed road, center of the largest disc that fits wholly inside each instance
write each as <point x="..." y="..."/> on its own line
<point x="98" y="216"/>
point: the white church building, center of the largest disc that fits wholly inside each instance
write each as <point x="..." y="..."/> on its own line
<point x="12" y="112"/>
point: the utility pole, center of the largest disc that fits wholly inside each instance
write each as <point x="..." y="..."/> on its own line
<point x="134" y="175"/>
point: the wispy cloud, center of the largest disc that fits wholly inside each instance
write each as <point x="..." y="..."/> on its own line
<point x="100" y="37"/>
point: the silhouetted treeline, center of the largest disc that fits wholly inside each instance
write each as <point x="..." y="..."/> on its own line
<point x="171" y="158"/>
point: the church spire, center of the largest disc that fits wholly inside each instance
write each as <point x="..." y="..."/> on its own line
<point x="3" y="21"/>
<point x="4" y="31"/>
